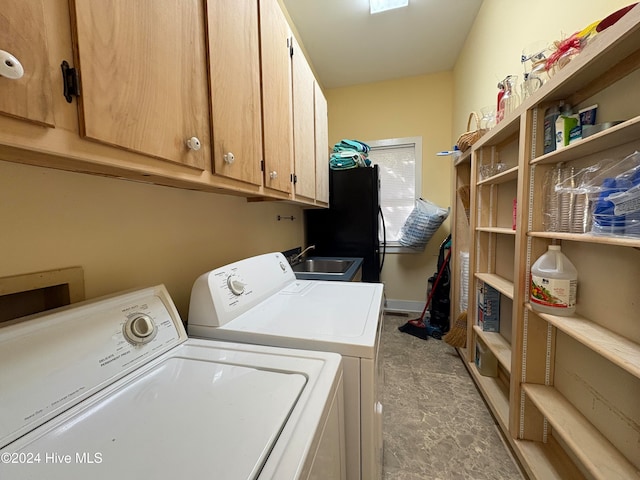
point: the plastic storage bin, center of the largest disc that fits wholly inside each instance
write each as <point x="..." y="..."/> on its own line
<point x="486" y="362"/>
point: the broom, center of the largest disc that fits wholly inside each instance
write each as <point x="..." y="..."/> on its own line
<point x="464" y="192"/>
<point x="417" y="326"/>
<point x="457" y="336"/>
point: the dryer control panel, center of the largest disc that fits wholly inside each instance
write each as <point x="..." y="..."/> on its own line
<point x="225" y="293"/>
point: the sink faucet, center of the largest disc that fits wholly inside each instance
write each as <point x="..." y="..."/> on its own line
<point x="299" y="256"/>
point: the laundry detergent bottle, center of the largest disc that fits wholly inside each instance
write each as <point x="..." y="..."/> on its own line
<point x="554" y="282"/>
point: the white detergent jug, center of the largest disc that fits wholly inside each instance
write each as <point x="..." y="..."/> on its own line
<point x="554" y="282"/>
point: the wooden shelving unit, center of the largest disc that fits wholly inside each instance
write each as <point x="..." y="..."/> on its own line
<point x="504" y="231"/>
<point x="615" y="348"/>
<point x="546" y="460"/>
<point x="505" y="287"/>
<point x="502" y="177"/>
<point x="495" y="392"/>
<point x="461" y="185"/>
<point x="589" y="238"/>
<point x="498" y="346"/>
<point x="599" y="142"/>
<point x="598" y="458"/>
<point x="567" y="387"/>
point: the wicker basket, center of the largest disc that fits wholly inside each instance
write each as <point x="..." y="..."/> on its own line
<point x="470" y="137"/>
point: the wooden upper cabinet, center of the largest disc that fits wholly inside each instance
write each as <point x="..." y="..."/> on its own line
<point x="234" y="69"/>
<point x="322" y="146"/>
<point x="303" y="125"/>
<point x="142" y="68"/>
<point x="276" y="96"/>
<point x="23" y="34"/>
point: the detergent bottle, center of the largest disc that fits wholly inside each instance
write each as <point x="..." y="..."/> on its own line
<point x="554" y="282"/>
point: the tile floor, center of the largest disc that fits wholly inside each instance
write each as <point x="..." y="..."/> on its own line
<point x="436" y="425"/>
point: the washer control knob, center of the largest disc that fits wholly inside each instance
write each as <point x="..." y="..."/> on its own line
<point x="229" y="158"/>
<point x="139" y="329"/>
<point x="194" y="144"/>
<point x="235" y="285"/>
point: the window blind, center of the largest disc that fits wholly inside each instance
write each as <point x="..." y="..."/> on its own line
<point x="397" y="185"/>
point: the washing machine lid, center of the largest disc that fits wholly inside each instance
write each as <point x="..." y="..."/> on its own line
<point x="181" y="418"/>
<point x="319" y="315"/>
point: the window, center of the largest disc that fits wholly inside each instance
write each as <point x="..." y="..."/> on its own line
<point x="377" y="6"/>
<point x="400" y="181"/>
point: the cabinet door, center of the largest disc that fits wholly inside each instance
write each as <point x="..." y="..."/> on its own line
<point x="275" y="36"/>
<point x="303" y="125"/>
<point x="23" y="35"/>
<point x="322" y="146"/>
<point x="143" y="78"/>
<point x="234" y="69"/>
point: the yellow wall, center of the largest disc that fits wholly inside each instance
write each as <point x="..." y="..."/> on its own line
<point x="417" y="106"/>
<point x="128" y="235"/>
<point x="501" y="30"/>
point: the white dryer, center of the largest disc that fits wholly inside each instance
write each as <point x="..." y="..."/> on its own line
<point x="114" y="389"/>
<point x="259" y="301"/>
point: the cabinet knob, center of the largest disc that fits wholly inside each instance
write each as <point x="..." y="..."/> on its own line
<point x="10" y="66"/>
<point x="194" y="144"/>
<point x="229" y="158"/>
<point x="273" y="175"/>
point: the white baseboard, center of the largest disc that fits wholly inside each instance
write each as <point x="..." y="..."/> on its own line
<point x="403" y="306"/>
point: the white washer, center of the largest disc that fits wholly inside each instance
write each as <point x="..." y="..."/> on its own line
<point x="259" y="300"/>
<point x="114" y="389"/>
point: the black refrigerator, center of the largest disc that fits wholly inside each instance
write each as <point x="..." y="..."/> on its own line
<point x="351" y="226"/>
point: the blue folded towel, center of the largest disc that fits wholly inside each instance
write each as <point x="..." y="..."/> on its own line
<point x="348" y="159"/>
<point x="356" y="145"/>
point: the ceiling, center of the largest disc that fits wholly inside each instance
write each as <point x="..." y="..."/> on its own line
<point x="348" y="46"/>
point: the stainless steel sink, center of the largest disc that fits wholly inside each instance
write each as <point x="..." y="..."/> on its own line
<point x="323" y="265"/>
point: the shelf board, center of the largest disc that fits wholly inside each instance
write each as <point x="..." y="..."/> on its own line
<point x="618" y="350"/>
<point x="599" y="458"/>
<point x="495" y="392"/>
<point x="502" y="177"/>
<point x="498" y="346"/>
<point x="504" y="286"/>
<point x="501" y="230"/>
<point x="464" y="158"/>
<point x="589" y="238"/>
<point x="501" y="132"/>
<point x="546" y="461"/>
<point x="599" y="142"/>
